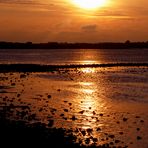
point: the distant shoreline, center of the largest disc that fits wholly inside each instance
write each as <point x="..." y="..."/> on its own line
<point x="56" y="45"/>
<point x="47" y="68"/>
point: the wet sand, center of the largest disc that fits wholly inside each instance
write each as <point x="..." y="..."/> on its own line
<point x="75" y="107"/>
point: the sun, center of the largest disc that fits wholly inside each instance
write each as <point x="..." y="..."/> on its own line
<point x="89" y="4"/>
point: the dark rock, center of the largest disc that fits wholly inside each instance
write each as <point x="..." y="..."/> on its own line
<point x="49" y="96"/>
<point x="111" y="143"/>
<point x="64" y="118"/>
<point x="111" y="136"/>
<point x="139" y="138"/>
<point x="73" y="118"/>
<point x="81" y="112"/>
<point x="65" y="110"/>
<point x="22" y="76"/>
<point x="101" y="114"/>
<point x="83" y="133"/>
<point x="117" y="141"/>
<point x="18" y="95"/>
<point x="95" y="140"/>
<point x="62" y="115"/>
<point x="89" y="130"/>
<point x="121" y="133"/>
<point x="94" y="112"/>
<point x="13" y="84"/>
<point x="141" y="121"/>
<point x="70" y="104"/>
<point x="87" y="140"/>
<point x="137" y="117"/>
<point x="138" y="129"/>
<point x="53" y="110"/>
<point x="41" y="109"/>
<point x="98" y="129"/>
<point x="125" y="119"/>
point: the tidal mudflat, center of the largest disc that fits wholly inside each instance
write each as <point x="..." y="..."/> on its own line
<point x="76" y="107"/>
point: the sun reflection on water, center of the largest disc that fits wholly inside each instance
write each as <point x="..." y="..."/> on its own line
<point x="88" y="70"/>
<point x="88" y="62"/>
<point x="88" y="104"/>
<point x="88" y="109"/>
<point x="89" y="101"/>
<point x="86" y="83"/>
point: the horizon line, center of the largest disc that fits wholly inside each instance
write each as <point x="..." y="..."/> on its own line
<point x="66" y="42"/>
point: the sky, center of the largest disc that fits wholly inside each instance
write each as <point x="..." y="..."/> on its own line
<point x="66" y="21"/>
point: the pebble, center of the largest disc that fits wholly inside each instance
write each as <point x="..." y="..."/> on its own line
<point x="101" y="114"/>
<point x="49" y="96"/>
<point x="81" y="112"/>
<point x="98" y="129"/>
<point x="121" y="133"/>
<point x="66" y="110"/>
<point x="125" y="119"/>
<point x="73" y="118"/>
<point x="139" y="138"/>
<point x="112" y="136"/>
<point x="138" y="129"/>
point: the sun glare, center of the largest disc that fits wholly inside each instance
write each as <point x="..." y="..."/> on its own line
<point x="89" y="4"/>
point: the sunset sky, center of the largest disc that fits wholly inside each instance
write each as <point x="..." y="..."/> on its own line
<point x="67" y="21"/>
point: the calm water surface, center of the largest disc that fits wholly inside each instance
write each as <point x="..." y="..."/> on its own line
<point x="73" y="56"/>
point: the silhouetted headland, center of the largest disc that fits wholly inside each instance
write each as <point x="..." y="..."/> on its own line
<point x="47" y="68"/>
<point x="65" y="45"/>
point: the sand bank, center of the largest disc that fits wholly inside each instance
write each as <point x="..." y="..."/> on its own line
<point x="76" y="107"/>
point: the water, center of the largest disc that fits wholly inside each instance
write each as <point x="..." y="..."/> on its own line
<point x="73" y="56"/>
<point x="103" y="105"/>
